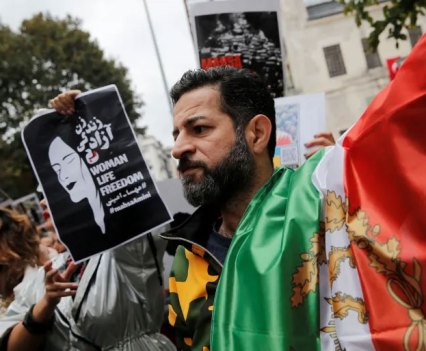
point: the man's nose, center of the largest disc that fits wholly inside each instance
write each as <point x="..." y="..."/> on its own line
<point x="182" y="146"/>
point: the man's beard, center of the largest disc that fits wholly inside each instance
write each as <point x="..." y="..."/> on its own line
<point x="232" y="176"/>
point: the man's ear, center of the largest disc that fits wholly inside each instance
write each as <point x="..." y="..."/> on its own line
<point x="258" y="132"/>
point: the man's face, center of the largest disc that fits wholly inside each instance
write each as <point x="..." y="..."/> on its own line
<point x="214" y="161"/>
<point x="72" y="172"/>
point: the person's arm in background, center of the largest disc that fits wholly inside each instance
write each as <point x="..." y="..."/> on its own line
<point x="320" y="140"/>
<point x="57" y="286"/>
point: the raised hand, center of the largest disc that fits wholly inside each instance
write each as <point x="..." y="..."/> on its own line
<point x="57" y="286"/>
<point x="320" y="140"/>
<point x="64" y="103"/>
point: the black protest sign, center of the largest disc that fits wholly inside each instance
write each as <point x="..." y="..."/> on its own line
<point x="95" y="180"/>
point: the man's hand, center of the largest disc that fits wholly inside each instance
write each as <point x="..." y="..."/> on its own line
<point x="320" y="140"/>
<point x="64" y="103"/>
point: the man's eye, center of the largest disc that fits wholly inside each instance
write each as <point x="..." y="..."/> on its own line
<point x="199" y="129"/>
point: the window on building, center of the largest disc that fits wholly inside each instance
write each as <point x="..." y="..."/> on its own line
<point x="414" y="34"/>
<point x="373" y="58"/>
<point x="335" y="64"/>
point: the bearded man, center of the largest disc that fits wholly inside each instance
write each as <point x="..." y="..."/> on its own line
<point x="224" y="132"/>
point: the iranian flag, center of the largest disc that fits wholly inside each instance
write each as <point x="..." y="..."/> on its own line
<point x="333" y="256"/>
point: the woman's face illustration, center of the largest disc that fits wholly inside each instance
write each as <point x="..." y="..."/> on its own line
<point x="72" y="172"/>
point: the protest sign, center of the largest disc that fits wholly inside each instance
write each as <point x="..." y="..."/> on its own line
<point x="298" y="119"/>
<point x="92" y="173"/>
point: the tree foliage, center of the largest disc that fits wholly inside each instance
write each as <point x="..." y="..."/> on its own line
<point x="398" y="15"/>
<point x="45" y="57"/>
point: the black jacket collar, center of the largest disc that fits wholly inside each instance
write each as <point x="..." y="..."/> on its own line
<point x="196" y="230"/>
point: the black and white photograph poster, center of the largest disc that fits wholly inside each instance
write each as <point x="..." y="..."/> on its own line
<point x="93" y="175"/>
<point x="243" y="34"/>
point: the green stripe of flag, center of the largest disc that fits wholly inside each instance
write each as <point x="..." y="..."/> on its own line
<point x="253" y="308"/>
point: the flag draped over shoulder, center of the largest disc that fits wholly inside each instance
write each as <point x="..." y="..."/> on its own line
<point x="341" y="264"/>
<point x="262" y="302"/>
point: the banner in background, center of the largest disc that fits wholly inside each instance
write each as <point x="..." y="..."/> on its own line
<point x="243" y="34"/>
<point x="298" y="118"/>
<point x="96" y="182"/>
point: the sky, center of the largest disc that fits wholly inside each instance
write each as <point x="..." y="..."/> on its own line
<point x="121" y="30"/>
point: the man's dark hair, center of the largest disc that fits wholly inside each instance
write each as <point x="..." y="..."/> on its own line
<point x="243" y="95"/>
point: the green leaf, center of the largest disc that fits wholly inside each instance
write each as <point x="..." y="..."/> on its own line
<point x="397" y="15"/>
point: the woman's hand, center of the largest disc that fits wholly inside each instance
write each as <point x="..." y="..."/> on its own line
<point x="320" y="140"/>
<point x="57" y="286"/>
<point x="64" y="103"/>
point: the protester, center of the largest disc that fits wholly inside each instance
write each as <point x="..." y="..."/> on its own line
<point x="224" y="131"/>
<point x="113" y="301"/>
<point x="288" y="281"/>
<point x="20" y="254"/>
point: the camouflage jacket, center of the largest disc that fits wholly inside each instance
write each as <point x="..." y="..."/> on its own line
<point x="193" y="281"/>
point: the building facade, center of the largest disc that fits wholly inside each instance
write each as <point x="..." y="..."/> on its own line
<point x="327" y="52"/>
<point x="161" y="164"/>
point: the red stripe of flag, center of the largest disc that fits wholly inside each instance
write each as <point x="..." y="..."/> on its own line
<point x="385" y="176"/>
